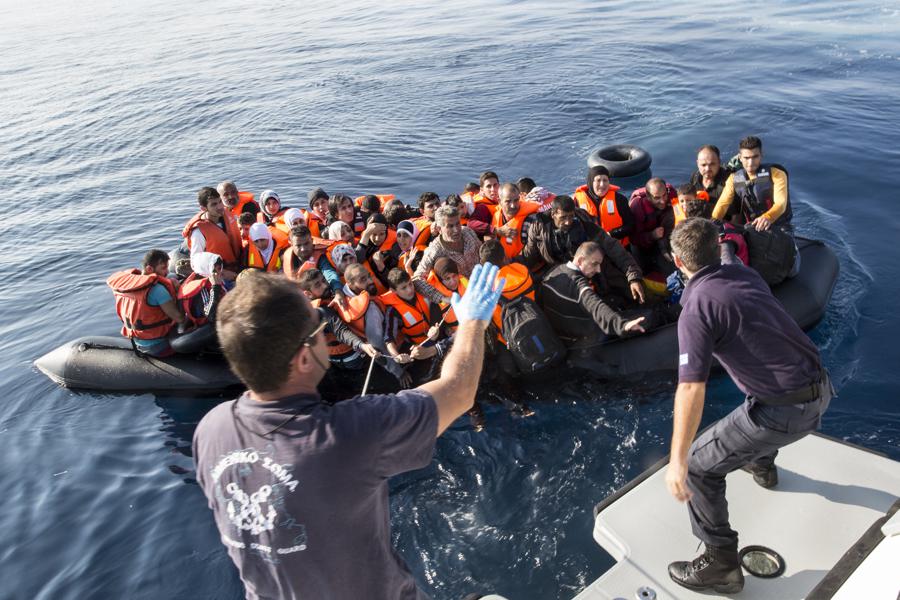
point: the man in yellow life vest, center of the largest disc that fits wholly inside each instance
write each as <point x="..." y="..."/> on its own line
<point x="512" y="219"/>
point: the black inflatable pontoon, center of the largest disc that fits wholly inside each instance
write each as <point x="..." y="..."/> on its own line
<point x="109" y="364"/>
<point x="805" y="297"/>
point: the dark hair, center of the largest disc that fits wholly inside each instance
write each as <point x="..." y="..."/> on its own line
<point x="300" y="232"/>
<point x="711" y="148"/>
<point x="154" y="257"/>
<point x="394" y="212"/>
<point x="696" y="242"/>
<point x="471" y="187"/>
<point x="397" y="277"/>
<point x="485" y="176"/>
<point x="563" y="203"/>
<point x="526" y="184"/>
<point x="206" y="194"/>
<point x="376" y="218"/>
<point x="492" y="251"/>
<point x="511" y="189"/>
<point x="308" y="278"/>
<point x="685" y="188"/>
<point x="426" y="197"/>
<point x="247" y="219"/>
<point x="751" y="142"/>
<point x="371" y="204"/>
<point x="697" y="208"/>
<point x="334" y="203"/>
<point x="260" y="324"/>
<point x="454" y="200"/>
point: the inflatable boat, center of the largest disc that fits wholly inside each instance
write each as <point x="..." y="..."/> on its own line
<point x="109" y="364"/>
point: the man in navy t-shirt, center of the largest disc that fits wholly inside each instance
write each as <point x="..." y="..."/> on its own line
<point x="298" y="486"/>
<point x="730" y="314"/>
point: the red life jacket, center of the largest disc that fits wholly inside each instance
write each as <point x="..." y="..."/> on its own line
<point x="449" y="316"/>
<point x="518" y="283"/>
<point x="607" y="214"/>
<point x="244" y="199"/>
<point x="227" y="244"/>
<point x="190" y="289"/>
<point x="513" y="245"/>
<point x="414" y="315"/>
<point x="140" y="319"/>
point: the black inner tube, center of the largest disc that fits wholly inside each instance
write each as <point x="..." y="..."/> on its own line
<point x="616" y="154"/>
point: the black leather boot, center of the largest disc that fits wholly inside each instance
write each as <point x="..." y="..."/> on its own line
<point x="717" y="569"/>
<point x="766" y="477"/>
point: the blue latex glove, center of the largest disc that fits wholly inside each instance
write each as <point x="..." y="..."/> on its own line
<point x="481" y="295"/>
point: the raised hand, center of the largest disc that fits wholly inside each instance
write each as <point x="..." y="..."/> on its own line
<point x="481" y="295"/>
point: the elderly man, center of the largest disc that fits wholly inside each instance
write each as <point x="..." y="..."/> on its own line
<point x="312" y="477"/>
<point x="555" y="236"/>
<point x="238" y="203"/>
<point x="454" y="241"/>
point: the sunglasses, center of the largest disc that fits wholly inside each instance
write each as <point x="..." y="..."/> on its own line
<point x="309" y="340"/>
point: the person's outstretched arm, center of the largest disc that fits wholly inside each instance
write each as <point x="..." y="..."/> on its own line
<point x="454" y="390"/>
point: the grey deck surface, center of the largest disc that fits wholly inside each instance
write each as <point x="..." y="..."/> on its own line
<point x="828" y="496"/>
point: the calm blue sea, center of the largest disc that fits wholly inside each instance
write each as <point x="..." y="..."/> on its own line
<point x="113" y="114"/>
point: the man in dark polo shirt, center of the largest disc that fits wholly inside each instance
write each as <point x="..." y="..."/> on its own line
<point x="729" y="313"/>
<point x="298" y="486"/>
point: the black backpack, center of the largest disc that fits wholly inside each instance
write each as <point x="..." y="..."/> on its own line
<point x="772" y="253"/>
<point x="529" y="336"/>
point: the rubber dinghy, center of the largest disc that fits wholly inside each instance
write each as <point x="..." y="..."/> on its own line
<point x="805" y="298"/>
<point x="109" y="364"/>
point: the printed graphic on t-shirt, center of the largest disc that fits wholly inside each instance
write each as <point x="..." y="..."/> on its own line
<point x="254" y="490"/>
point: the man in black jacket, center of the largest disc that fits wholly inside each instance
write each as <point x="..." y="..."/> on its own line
<point x="576" y="311"/>
<point x="556" y="234"/>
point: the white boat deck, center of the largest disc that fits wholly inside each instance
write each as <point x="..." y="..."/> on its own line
<point x="828" y="496"/>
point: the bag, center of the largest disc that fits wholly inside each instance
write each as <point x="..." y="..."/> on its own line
<point x="772" y="253"/>
<point x="529" y="336"/>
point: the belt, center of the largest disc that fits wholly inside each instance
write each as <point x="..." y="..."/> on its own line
<point x="807" y="393"/>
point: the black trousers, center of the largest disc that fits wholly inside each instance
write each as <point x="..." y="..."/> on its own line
<point x="751" y="434"/>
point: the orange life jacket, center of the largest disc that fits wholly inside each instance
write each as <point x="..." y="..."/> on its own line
<point x="332" y="246"/>
<point x="606" y="215"/>
<point x="513" y="245"/>
<point x="262" y="217"/>
<point x="414" y="316"/>
<point x="389" y="240"/>
<point x="379" y="287"/>
<point x="227" y="244"/>
<point x="140" y="319"/>
<point x="679" y="211"/>
<point x="383" y="198"/>
<point x="337" y="350"/>
<point x="449" y="316"/>
<point x="354" y="314"/>
<point x="293" y="268"/>
<point x="244" y="198"/>
<point x="190" y="288"/>
<point x="254" y="258"/>
<point x="424" y="238"/>
<point x="316" y="225"/>
<point x="518" y="283"/>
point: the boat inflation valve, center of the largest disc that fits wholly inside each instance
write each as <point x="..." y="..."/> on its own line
<point x="645" y="593"/>
<point x="761" y="561"/>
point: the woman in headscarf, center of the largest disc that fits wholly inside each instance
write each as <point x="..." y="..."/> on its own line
<point x="272" y="211"/>
<point x="263" y="252"/>
<point x="606" y="206"/>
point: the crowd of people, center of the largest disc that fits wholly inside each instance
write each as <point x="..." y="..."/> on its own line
<point x="298" y="484"/>
<point x="598" y="265"/>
